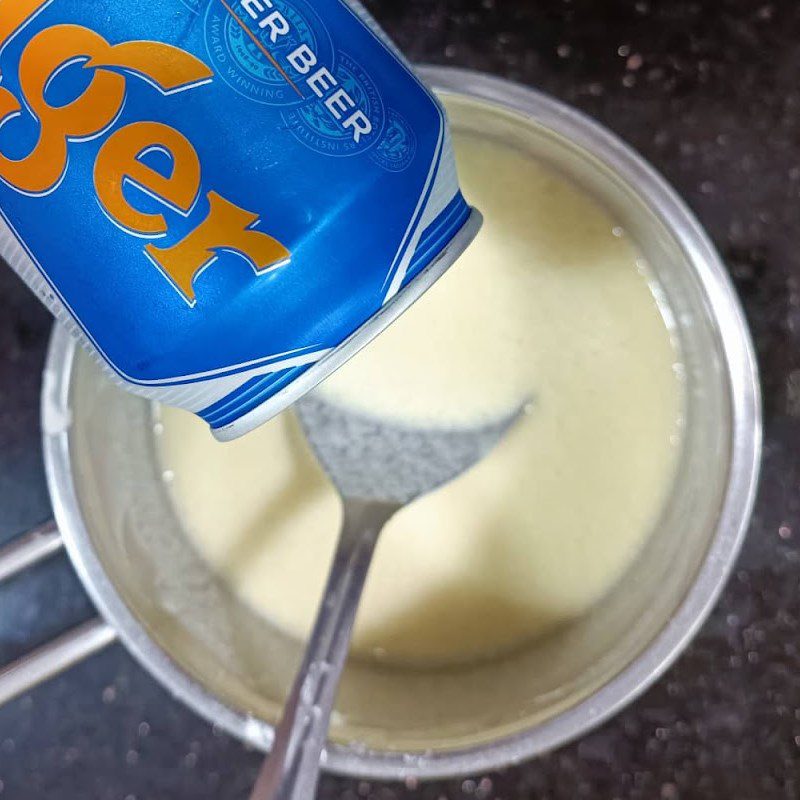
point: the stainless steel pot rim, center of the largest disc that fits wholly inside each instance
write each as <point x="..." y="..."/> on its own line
<point x="662" y="651"/>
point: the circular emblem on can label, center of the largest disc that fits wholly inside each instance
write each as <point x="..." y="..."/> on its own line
<point x="193" y="5"/>
<point x="396" y="150"/>
<point x="246" y="58"/>
<point x="316" y="127"/>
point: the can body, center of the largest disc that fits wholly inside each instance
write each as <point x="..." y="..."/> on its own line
<point x="223" y="198"/>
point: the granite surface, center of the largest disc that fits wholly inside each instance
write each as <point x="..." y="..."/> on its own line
<point x="708" y="92"/>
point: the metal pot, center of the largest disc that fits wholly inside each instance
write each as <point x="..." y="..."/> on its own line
<point x="116" y="520"/>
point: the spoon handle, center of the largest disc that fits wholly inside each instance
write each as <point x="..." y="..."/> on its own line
<point x="292" y="768"/>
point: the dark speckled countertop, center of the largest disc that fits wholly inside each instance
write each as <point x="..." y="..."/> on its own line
<point x="708" y="91"/>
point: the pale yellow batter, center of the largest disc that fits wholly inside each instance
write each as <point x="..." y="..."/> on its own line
<point x="549" y="304"/>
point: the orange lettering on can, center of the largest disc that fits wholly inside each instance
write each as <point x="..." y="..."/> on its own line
<point x="96" y="108"/>
<point x="87" y="115"/>
<point x="119" y="162"/>
<point x="226" y="228"/>
<point x="14" y="14"/>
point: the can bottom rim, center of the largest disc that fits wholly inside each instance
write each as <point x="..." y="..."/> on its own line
<point x="362" y="336"/>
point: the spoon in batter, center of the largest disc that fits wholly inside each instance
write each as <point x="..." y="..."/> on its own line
<point x="377" y="467"/>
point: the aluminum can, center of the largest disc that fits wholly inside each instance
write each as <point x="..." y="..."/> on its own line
<point x="224" y="199"/>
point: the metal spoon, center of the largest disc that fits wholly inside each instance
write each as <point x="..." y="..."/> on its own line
<point x="377" y="468"/>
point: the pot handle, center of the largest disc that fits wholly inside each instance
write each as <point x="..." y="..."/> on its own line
<point x="60" y="653"/>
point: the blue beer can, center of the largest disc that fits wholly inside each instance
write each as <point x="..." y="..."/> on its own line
<point x="224" y="199"/>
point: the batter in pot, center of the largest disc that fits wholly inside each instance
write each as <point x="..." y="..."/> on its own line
<point x="551" y="305"/>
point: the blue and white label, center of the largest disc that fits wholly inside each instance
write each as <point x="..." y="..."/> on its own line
<point x="216" y="190"/>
